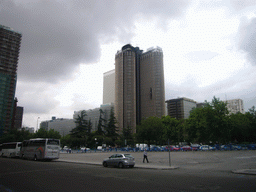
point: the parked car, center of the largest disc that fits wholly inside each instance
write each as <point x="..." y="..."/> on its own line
<point x="212" y="148"/>
<point x="195" y="146"/>
<point x="236" y="147"/>
<point x="251" y="146"/>
<point x="119" y="160"/>
<point x="225" y="147"/>
<point x="243" y="146"/>
<point x="173" y="148"/>
<point x="204" y="148"/>
<point x="186" y="148"/>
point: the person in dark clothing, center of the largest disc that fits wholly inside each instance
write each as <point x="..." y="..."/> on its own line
<point x="145" y="156"/>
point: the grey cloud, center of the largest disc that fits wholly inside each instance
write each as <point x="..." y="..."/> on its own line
<point x="247" y="32"/>
<point x="197" y="56"/>
<point x="36" y="99"/>
<point x="58" y="35"/>
<point x="242" y="4"/>
<point x="238" y="86"/>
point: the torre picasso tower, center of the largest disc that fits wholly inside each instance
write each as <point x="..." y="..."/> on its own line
<point x="139" y="85"/>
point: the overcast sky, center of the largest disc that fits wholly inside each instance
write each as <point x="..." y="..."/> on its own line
<point x="209" y="49"/>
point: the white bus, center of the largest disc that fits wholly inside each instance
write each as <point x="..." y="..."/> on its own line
<point x="40" y="149"/>
<point x="11" y="149"/>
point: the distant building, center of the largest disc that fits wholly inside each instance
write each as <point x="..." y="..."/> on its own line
<point x="62" y="125"/>
<point x="30" y="129"/>
<point x="9" y="53"/>
<point x="180" y="108"/>
<point x="94" y="115"/>
<point x="235" y="106"/>
<point x="18" y="117"/>
<point x="139" y="85"/>
<point x="109" y="87"/>
<point x="200" y="105"/>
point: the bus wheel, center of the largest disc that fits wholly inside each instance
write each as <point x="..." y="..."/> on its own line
<point x="35" y="158"/>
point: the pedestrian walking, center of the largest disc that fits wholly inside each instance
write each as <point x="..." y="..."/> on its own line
<point x="145" y="156"/>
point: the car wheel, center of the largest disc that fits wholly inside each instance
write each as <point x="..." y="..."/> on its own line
<point x="121" y="165"/>
<point x="131" y="166"/>
<point x="105" y="164"/>
<point x="35" y="158"/>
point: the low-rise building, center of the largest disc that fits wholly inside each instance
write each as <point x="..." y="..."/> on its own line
<point x="180" y="108"/>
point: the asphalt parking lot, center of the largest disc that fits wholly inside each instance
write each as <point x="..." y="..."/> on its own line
<point x="234" y="161"/>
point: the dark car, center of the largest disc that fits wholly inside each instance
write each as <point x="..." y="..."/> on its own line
<point x="173" y="148"/>
<point x="186" y="148"/>
<point x="119" y="160"/>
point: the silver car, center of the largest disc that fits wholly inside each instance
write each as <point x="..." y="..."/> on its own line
<point x="119" y="160"/>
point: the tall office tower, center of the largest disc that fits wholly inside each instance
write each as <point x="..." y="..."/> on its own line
<point x="139" y="85"/>
<point x="9" y="54"/>
<point x="109" y="87"/>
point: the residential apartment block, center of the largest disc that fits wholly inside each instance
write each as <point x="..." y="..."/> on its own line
<point x="235" y="106"/>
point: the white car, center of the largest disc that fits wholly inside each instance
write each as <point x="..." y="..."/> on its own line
<point x="204" y="148"/>
<point x="119" y="160"/>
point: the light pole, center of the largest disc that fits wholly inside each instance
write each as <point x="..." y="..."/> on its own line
<point x="95" y="144"/>
<point x="37" y="123"/>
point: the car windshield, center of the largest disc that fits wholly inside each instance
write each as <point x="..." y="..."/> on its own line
<point x="127" y="155"/>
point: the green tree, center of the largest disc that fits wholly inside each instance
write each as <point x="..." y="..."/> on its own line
<point x="101" y="124"/>
<point x="171" y="129"/>
<point x="80" y="133"/>
<point x="16" y="136"/>
<point x="217" y="120"/>
<point x="42" y="133"/>
<point x="196" y="126"/>
<point x="251" y="115"/>
<point x="150" y="130"/>
<point x="111" y="129"/>
<point x="128" y="136"/>
<point x="239" y="126"/>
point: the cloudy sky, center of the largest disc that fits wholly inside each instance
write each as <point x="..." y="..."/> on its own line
<point x="209" y="49"/>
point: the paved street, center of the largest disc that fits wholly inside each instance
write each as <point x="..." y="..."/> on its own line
<point x="19" y="175"/>
<point x="193" y="160"/>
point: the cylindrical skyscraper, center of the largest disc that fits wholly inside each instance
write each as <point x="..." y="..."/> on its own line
<point x="139" y="85"/>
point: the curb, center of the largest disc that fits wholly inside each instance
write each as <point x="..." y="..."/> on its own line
<point x="136" y="166"/>
<point x="245" y="171"/>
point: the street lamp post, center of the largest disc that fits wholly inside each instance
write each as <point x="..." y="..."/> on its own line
<point x="95" y="144"/>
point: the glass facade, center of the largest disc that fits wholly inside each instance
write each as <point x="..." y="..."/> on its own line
<point x="9" y="53"/>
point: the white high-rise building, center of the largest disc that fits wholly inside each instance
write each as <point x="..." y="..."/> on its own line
<point x="109" y="87"/>
<point x="235" y="106"/>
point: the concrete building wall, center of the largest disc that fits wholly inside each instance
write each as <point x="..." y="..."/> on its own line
<point x="125" y="90"/>
<point x="235" y="106"/>
<point x="63" y="126"/>
<point x="152" y="84"/>
<point x="94" y="115"/>
<point x="180" y="108"/>
<point x="109" y="87"/>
